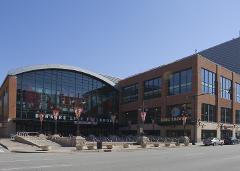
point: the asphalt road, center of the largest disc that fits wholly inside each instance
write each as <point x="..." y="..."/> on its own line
<point x="197" y="158"/>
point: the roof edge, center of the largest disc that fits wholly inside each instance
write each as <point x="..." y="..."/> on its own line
<point x="60" y="66"/>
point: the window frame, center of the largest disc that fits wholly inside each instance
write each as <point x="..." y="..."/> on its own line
<point x="149" y="90"/>
<point x="175" y="84"/>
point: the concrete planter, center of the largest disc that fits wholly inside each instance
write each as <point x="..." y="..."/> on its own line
<point x="186" y="141"/>
<point x="80" y="141"/>
<point x="79" y="147"/>
<point x="167" y="144"/>
<point x="46" y="148"/>
<point x="142" y="140"/>
<point x="177" y="144"/>
<point x="109" y="146"/>
<point x="90" y="147"/>
<point x="156" y="144"/>
<point x="144" y="145"/>
<point x="125" y="145"/>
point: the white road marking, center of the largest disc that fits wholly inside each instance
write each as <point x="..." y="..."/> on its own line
<point x="37" y="167"/>
<point x="1" y="151"/>
<point x="13" y="161"/>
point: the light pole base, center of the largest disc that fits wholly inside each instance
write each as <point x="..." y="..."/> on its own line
<point x="142" y="139"/>
<point x="55" y="135"/>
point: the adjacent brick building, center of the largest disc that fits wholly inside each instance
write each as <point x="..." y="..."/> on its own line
<point x="195" y="88"/>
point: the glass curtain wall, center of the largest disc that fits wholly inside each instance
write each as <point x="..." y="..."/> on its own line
<point x="44" y="90"/>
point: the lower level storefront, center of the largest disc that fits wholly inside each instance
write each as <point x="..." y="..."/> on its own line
<point x="197" y="133"/>
<point x="219" y="130"/>
<point x="200" y="131"/>
<point x="66" y="128"/>
<point x="226" y="133"/>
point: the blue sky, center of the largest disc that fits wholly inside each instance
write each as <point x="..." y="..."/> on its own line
<point x="114" y="37"/>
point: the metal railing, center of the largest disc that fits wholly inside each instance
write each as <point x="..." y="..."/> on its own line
<point x="24" y="134"/>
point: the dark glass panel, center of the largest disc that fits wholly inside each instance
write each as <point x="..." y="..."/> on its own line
<point x="180" y="82"/>
<point x="44" y="89"/>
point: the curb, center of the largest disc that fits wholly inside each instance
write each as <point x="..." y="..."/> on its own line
<point x="18" y="151"/>
<point x="4" y="146"/>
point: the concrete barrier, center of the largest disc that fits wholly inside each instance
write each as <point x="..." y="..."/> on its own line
<point x="23" y="140"/>
<point x="46" y="148"/>
<point x="64" y="141"/>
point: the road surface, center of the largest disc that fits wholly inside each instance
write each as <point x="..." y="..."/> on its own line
<point x="195" y="158"/>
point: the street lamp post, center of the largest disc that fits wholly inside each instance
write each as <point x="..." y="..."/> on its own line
<point x="184" y="117"/>
<point x="78" y="111"/>
<point x="41" y="117"/>
<point x="55" y="117"/>
<point x="113" y="118"/>
<point x="142" y="117"/>
<point x="155" y="115"/>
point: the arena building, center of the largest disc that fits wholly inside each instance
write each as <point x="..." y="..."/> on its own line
<point x="30" y="91"/>
<point x="198" y="96"/>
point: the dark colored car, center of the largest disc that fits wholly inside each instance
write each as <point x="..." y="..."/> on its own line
<point x="231" y="141"/>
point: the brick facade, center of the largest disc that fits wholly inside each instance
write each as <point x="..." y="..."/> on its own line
<point x="8" y="95"/>
<point x="195" y="128"/>
<point x="195" y="97"/>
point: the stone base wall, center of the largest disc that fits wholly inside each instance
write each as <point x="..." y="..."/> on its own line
<point x="7" y="129"/>
<point x="64" y="141"/>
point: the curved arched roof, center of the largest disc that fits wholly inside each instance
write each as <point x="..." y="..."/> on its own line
<point x="110" y="80"/>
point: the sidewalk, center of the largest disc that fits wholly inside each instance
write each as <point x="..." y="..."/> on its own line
<point x="17" y="147"/>
<point x="14" y="146"/>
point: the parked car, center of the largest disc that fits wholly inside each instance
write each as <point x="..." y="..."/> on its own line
<point x="213" y="141"/>
<point x="231" y="141"/>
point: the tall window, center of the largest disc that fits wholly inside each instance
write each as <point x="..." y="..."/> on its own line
<point x="226" y="88"/>
<point x="179" y="109"/>
<point x="180" y="82"/>
<point x="237" y="116"/>
<point x="130" y="93"/>
<point x="153" y="115"/>
<point x="152" y="88"/>
<point x="208" y="81"/>
<point x="237" y="92"/>
<point x="130" y="117"/>
<point x="226" y="116"/>
<point x="208" y="113"/>
<point x="43" y="90"/>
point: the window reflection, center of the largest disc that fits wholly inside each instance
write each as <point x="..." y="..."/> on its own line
<point x="180" y="82"/>
<point x="45" y="89"/>
<point x="226" y="88"/>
